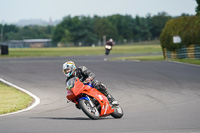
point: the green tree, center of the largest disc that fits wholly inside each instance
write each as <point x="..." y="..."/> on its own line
<point x="198" y="7"/>
<point x="103" y="27"/>
<point x="13" y="32"/>
<point x="35" y="32"/>
<point x="78" y="29"/>
<point x="124" y="25"/>
<point x="141" y="30"/>
<point x="58" y="34"/>
<point x="83" y="31"/>
<point x="7" y="29"/>
<point x="89" y="30"/>
<point x="157" y="23"/>
<point x="188" y="28"/>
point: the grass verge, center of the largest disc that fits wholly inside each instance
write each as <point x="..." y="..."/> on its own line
<point x="12" y="100"/>
<point x="71" y="51"/>
<point x="157" y="58"/>
<point x="190" y="61"/>
<point x="143" y="58"/>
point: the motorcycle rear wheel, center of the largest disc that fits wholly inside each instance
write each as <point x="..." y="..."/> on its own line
<point x="90" y="111"/>
<point x="118" y="113"/>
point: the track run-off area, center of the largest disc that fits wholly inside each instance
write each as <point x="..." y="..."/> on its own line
<point x="156" y="96"/>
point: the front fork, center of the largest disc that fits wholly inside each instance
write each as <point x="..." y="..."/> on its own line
<point x="88" y="99"/>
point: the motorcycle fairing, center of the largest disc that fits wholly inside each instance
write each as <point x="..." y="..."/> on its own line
<point x="102" y="99"/>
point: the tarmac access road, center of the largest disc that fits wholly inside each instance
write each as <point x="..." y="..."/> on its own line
<point x="156" y="96"/>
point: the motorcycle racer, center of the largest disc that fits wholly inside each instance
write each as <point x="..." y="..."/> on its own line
<point x="108" y="46"/>
<point x="86" y="76"/>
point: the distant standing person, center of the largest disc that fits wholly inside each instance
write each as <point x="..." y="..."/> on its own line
<point x="108" y="46"/>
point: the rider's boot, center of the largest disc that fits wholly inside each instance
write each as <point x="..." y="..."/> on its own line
<point x="102" y="88"/>
<point x="111" y="99"/>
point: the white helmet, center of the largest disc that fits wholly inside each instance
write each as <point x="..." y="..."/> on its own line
<point x="70" y="65"/>
<point x="111" y="40"/>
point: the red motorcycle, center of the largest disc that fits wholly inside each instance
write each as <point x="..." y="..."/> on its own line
<point x="92" y="102"/>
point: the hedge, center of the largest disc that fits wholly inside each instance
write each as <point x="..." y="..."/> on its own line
<point x="188" y="28"/>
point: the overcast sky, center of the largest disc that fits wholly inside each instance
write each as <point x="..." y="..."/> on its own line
<point x="12" y="11"/>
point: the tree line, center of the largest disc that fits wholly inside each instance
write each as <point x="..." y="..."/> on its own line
<point x="122" y="28"/>
<point x="13" y="32"/>
<point x="91" y="30"/>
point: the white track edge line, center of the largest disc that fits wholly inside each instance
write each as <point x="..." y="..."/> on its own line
<point x="34" y="104"/>
<point x="185" y="63"/>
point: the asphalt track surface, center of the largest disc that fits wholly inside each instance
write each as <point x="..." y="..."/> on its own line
<point x="160" y="97"/>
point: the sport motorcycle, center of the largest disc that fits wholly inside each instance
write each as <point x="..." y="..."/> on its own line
<point x="91" y="101"/>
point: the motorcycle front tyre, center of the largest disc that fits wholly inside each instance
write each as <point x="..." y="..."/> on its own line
<point x="118" y="113"/>
<point x="91" y="112"/>
<point x="107" y="51"/>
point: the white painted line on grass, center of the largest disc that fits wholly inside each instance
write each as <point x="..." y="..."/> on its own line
<point x="34" y="104"/>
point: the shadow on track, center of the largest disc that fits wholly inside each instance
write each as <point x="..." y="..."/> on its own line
<point x="61" y="118"/>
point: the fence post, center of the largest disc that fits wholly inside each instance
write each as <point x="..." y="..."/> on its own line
<point x="174" y="54"/>
<point x="191" y="52"/>
<point x="197" y="51"/>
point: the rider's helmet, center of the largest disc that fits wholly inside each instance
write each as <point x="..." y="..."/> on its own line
<point x="70" y="66"/>
<point x="111" y="40"/>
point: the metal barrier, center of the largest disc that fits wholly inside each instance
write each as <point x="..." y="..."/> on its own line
<point x="191" y="52"/>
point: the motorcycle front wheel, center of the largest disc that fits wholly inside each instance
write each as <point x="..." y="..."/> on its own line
<point x="90" y="111"/>
<point x="118" y="113"/>
<point x="107" y="51"/>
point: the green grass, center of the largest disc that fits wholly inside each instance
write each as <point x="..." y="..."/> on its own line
<point x="12" y="100"/>
<point x="190" y="61"/>
<point x="136" y="49"/>
<point x="70" y="51"/>
<point x="156" y="58"/>
<point x="38" y="52"/>
<point x="143" y="58"/>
